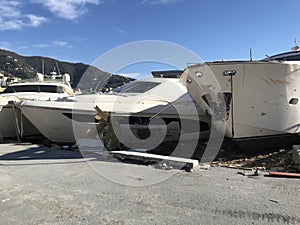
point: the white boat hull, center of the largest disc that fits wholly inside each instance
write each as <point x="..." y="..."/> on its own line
<point x="59" y="124"/>
<point x="265" y="95"/>
<point x="13" y="124"/>
<point x="168" y="103"/>
<point x="57" y="121"/>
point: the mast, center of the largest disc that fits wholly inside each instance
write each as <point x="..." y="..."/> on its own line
<point x="57" y="68"/>
<point x="43" y="67"/>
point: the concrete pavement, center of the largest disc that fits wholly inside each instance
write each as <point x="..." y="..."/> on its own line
<point x="39" y="185"/>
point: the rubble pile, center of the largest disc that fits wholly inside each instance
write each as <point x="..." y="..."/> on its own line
<point x="280" y="160"/>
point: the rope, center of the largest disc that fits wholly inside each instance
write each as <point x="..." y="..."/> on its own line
<point x="18" y="131"/>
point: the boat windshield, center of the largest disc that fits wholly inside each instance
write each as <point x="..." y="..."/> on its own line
<point x="137" y="87"/>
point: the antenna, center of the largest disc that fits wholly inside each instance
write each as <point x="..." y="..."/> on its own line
<point x="296" y="47"/>
<point x="43" y="67"/>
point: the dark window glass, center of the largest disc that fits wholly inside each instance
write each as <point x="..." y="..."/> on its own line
<point x="34" y="88"/>
<point x="9" y="89"/>
<point x="51" y="89"/>
<point x="137" y="87"/>
<point x="26" y="88"/>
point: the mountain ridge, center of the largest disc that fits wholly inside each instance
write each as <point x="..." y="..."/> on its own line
<point x="26" y="67"/>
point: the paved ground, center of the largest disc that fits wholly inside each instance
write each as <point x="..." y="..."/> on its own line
<point x="48" y="186"/>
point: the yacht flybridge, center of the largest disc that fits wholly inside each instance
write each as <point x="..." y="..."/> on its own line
<point x="258" y="101"/>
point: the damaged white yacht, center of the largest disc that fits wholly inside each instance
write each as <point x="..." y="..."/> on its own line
<point x="149" y="103"/>
<point x="258" y="101"/>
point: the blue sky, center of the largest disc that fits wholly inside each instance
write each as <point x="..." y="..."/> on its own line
<point x="83" y="30"/>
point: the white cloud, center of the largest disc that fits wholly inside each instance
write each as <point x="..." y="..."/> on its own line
<point x="35" y="21"/>
<point x="22" y="47"/>
<point x="41" y="45"/>
<point x="11" y="17"/>
<point x="68" y="9"/>
<point x="158" y="2"/>
<point x="8" y="8"/>
<point x="62" y="44"/>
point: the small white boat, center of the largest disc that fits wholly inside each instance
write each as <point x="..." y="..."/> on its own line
<point x="257" y="100"/>
<point x="135" y="104"/>
<point x="12" y="124"/>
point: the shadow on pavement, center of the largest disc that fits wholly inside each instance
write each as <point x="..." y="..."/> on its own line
<point x="40" y="153"/>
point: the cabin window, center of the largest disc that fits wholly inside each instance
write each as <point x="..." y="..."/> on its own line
<point x="137" y="87"/>
<point x="26" y="88"/>
<point x="34" y="88"/>
<point x="51" y="89"/>
<point x="9" y="89"/>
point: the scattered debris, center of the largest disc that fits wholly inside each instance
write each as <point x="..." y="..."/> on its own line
<point x="280" y="161"/>
<point x="204" y="166"/>
<point x="275" y="201"/>
<point x="5" y="200"/>
<point x="250" y="174"/>
<point x="296" y="156"/>
<point x="163" y="166"/>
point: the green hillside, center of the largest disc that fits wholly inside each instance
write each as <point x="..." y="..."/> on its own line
<point x="26" y="67"/>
